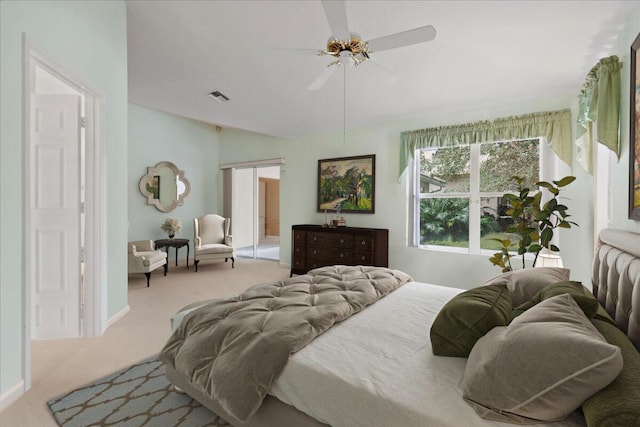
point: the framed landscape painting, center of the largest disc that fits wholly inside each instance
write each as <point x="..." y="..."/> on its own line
<point x="347" y="184"/>
<point x="634" y="134"/>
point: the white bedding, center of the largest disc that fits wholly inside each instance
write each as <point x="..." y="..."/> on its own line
<point x="377" y="369"/>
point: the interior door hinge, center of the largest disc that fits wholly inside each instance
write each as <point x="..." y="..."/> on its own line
<point x="82" y="207"/>
<point x="83" y="122"/>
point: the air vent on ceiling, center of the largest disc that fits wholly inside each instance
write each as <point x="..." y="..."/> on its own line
<point x="219" y="96"/>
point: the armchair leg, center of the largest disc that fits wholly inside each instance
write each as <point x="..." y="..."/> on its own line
<point x="196" y="261"/>
<point x="166" y="267"/>
<point x="148" y="277"/>
<point x="233" y="262"/>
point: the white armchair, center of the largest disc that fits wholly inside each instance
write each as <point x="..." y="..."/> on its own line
<point x="144" y="259"/>
<point x="212" y="239"/>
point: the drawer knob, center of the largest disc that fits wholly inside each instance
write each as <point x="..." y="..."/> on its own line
<point x="315" y="252"/>
<point x="341" y="240"/>
<point x="364" y="242"/>
<point x="341" y="255"/>
<point x="363" y="257"/>
<point x="315" y="238"/>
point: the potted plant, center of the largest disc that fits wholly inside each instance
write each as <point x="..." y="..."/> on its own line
<point x="172" y="226"/>
<point x="533" y="221"/>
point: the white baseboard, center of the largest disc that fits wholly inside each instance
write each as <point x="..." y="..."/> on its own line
<point x="119" y="315"/>
<point x="11" y="395"/>
<point x="285" y="264"/>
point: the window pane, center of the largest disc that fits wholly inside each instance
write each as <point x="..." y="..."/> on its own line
<point x="494" y="223"/>
<point x="445" y="170"/>
<point x="444" y="222"/>
<point x="499" y="161"/>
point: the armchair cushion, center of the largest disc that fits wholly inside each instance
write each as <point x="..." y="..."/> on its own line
<point x="215" y="248"/>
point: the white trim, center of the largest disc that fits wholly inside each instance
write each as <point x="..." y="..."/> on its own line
<point x="26" y="214"/>
<point x="255" y="163"/>
<point x="119" y="315"/>
<point x="95" y="278"/>
<point x="10" y="396"/>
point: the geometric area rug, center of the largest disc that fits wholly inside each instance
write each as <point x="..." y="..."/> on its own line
<point x="140" y="395"/>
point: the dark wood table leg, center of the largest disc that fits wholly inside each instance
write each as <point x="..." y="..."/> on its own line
<point x="188" y="255"/>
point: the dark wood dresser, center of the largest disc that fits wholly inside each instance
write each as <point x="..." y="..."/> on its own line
<point x="315" y="246"/>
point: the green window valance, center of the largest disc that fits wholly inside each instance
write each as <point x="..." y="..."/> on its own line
<point x="599" y="102"/>
<point x="554" y="125"/>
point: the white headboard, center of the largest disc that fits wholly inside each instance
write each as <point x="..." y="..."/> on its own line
<point x="616" y="279"/>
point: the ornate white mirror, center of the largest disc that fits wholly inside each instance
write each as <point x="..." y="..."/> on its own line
<point x="164" y="186"/>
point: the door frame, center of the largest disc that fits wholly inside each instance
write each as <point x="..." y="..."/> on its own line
<point x="93" y="316"/>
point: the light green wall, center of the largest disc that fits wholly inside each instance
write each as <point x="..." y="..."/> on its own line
<point x="89" y="40"/>
<point x="193" y="147"/>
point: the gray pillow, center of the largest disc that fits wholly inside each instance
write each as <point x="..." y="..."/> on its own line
<point x="542" y="367"/>
<point x="524" y="284"/>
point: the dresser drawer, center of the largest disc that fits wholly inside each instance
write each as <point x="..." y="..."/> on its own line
<point x="364" y="243"/>
<point x="337" y="256"/>
<point x="299" y="236"/>
<point x="331" y="240"/>
<point x="299" y="250"/>
<point x="317" y="263"/>
<point x="298" y="262"/>
<point x="363" y="258"/>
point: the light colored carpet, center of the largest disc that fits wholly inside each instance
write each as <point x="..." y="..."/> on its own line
<point x="60" y="366"/>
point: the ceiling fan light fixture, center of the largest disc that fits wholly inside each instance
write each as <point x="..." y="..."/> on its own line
<point x="355" y="45"/>
<point x="219" y="96"/>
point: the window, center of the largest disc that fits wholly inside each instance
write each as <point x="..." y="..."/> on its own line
<point x="458" y="192"/>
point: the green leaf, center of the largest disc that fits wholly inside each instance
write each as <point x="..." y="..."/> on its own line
<point x="544" y="184"/>
<point x="554" y="248"/>
<point x="546" y="236"/>
<point x="565" y="181"/>
<point x="535" y="248"/>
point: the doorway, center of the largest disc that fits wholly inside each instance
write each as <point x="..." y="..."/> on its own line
<point x="256" y="212"/>
<point x="63" y="220"/>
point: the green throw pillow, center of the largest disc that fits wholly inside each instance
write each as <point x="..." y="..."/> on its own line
<point x="467" y="317"/>
<point x="587" y="302"/>
<point x="617" y="404"/>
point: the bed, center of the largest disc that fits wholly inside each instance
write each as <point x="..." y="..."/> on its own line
<point x="377" y="367"/>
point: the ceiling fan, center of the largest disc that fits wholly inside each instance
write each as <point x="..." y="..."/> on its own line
<point x="348" y="47"/>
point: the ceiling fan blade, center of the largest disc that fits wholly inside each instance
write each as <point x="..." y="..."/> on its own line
<point x="405" y="38"/>
<point x="336" y="12"/>
<point x="382" y="73"/>
<point x="293" y="51"/>
<point x="324" y="76"/>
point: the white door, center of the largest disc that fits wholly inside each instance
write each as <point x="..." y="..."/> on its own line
<point x="55" y="216"/>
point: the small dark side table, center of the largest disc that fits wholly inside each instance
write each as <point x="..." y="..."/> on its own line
<point x="173" y="243"/>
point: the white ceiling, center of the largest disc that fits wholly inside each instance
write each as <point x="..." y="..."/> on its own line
<point x="484" y="52"/>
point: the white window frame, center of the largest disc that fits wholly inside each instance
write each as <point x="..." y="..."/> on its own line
<point x="547" y="167"/>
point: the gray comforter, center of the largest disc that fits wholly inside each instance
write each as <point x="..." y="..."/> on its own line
<point x="233" y="349"/>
